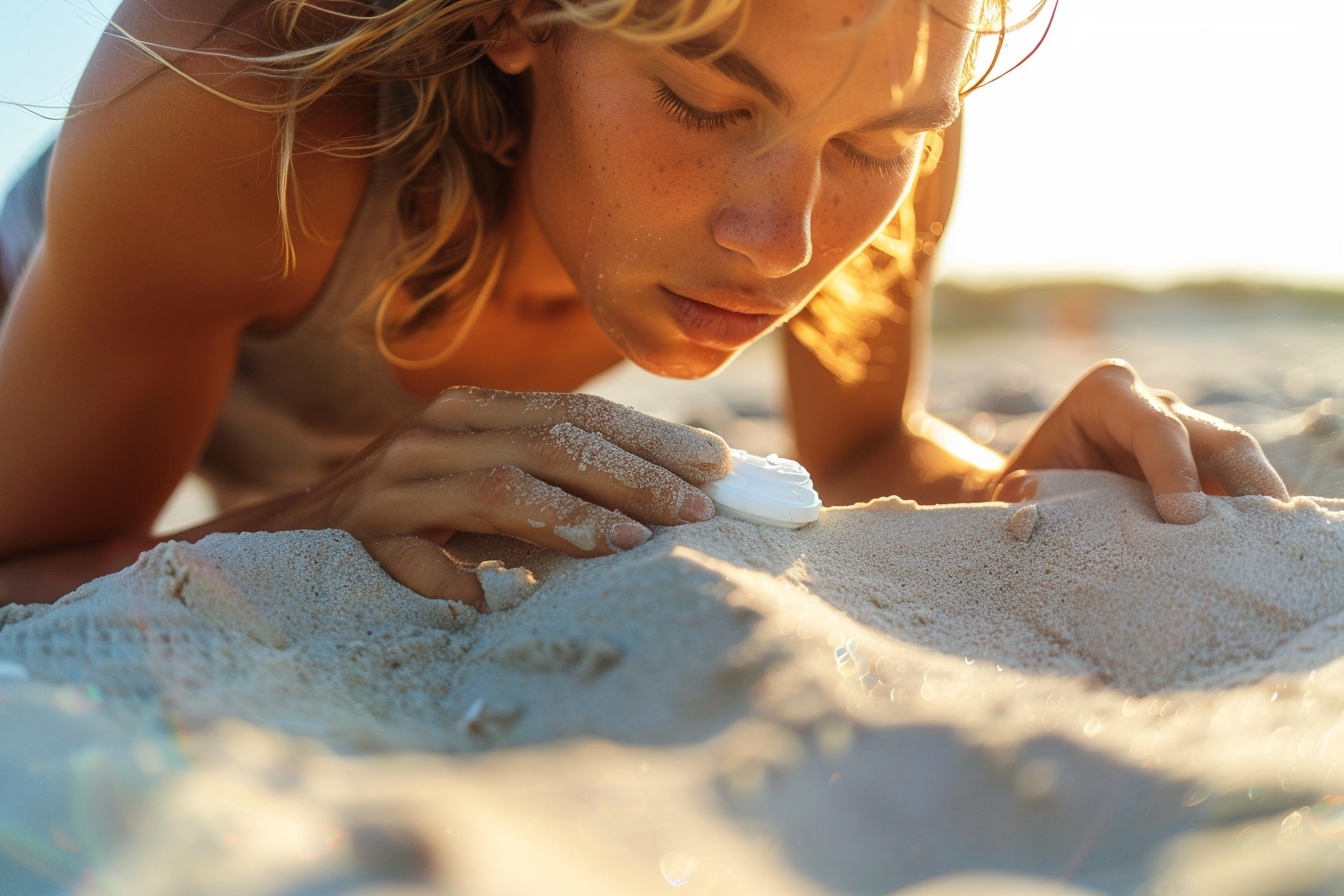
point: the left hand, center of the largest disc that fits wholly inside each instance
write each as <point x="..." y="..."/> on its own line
<point x="1111" y="420"/>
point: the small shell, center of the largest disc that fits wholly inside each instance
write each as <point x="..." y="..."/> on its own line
<point x="1022" y="524"/>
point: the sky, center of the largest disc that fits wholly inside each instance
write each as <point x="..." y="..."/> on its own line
<point x="1158" y="140"/>
<point x="1146" y="142"/>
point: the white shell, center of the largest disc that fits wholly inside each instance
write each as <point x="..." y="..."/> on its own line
<point x="772" y="490"/>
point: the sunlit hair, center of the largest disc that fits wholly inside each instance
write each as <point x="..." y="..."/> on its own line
<point x="455" y="124"/>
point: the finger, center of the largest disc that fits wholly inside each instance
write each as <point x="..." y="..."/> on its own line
<point x="505" y="500"/>
<point x="588" y="465"/>
<point x="1244" y="470"/>
<point x="425" y="568"/>
<point x="1157" y="439"/>
<point x="694" y="455"/>
<point x="581" y="462"/>
<point x="1163" y="452"/>
<point x="1019" y="485"/>
<point x="1229" y="455"/>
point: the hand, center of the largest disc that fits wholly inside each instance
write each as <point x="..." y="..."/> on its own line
<point x="568" y="471"/>
<point x="1111" y="420"/>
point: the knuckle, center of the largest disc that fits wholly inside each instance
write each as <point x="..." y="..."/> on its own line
<point x="409" y="444"/>
<point x="551" y="447"/>
<point x="545" y="406"/>
<point x="1172" y="424"/>
<point x="1109" y="377"/>
<point x="667" y="493"/>
<point x="418" y="433"/>
<point x="456" y="401"/>
<point x="1167" y="397"/>
<point x="499" y="484"/>
<point x="1115" y="367"/>
<point x="586" y="409"/>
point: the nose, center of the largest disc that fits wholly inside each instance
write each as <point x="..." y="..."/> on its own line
<point x="768" y="217"/>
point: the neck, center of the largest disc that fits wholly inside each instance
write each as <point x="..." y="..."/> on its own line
<point x="534" y="282"/>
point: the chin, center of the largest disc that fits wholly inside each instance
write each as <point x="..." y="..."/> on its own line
<point x="682" y="362"/>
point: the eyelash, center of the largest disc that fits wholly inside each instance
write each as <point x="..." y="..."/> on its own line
<point x="693" y="118"/>
<point x="889" y="169"/>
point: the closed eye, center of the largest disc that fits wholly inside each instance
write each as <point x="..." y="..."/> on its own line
<point x="897" y="169"/>
<point x="693" y="118"/>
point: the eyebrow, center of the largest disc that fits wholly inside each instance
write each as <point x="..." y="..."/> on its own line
<point x="930" y="117"/>
<point x="736" y="67"/>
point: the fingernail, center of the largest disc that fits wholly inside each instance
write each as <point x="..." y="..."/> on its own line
<point x="695" y="507"/>
<point x="1182" y="508"/>
<point x="628" y="534"/>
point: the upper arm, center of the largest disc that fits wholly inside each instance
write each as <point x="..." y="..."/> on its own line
<point x="834" y="422"/>
<point x="162" y="245"/>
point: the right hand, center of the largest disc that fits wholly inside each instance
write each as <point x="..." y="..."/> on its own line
<point x="572" y="472"/>
<point x="1112" y="420"/>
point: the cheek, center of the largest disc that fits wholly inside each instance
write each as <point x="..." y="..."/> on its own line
<point x="851" y="211"/>
<point x="610" y="186"/>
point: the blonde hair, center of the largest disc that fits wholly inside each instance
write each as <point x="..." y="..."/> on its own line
<point x="454" y="124"/>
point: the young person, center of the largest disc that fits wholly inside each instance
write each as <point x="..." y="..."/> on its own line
<point x="349" y="258"/>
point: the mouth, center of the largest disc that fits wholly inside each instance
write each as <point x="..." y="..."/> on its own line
<point x="722" y="320"/>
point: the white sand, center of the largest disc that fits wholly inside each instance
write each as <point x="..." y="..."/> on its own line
<point x="1066" y="693"/>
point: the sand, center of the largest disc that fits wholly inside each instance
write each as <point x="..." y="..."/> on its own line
<point x="895" y="700"/>
<point x="1065" y="695"/>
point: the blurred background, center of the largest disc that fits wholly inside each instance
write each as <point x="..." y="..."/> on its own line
<point x="1160" y="181"/>
<point x="1145" y="143"/>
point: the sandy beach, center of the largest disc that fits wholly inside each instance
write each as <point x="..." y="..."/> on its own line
<point x="1064" y="695"/>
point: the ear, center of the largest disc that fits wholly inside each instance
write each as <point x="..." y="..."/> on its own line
<point x="513" y="51"/>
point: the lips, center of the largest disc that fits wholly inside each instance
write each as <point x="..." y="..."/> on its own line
<point x="719" y="318"/>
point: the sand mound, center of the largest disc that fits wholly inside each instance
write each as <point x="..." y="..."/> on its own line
<point x="302" y="631"/>
<point x="975" y="697"/>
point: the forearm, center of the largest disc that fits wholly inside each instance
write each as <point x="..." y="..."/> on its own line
<point x="926" y="460"/>
<point x="40" y="577"/>
<point x="44" y="576"/>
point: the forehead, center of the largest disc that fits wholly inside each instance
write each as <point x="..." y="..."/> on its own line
<point x="904" y="49"/>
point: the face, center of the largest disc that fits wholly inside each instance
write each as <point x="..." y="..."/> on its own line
<point x="696" y="205"/>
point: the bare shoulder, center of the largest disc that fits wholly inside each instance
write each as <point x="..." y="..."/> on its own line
<point x="165" y="180"/>
<point x="162" y="245"/>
